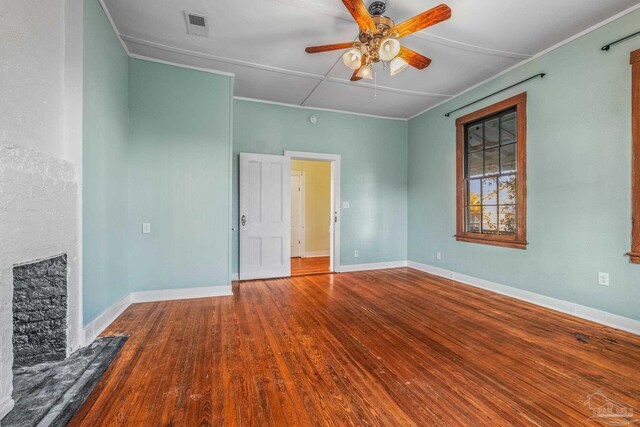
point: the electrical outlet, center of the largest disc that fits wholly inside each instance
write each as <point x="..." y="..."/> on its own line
<point x="603" y="279"/>
<point x="438" y="256"/>
<point x="356" y="254"/>
<point x="345" y="205"/>
<point x="146" y="227"/>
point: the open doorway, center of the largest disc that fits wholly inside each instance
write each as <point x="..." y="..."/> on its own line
<point x="265" y="214"/>
<point x="313" y="213"/>
<point x="311" y="217"/>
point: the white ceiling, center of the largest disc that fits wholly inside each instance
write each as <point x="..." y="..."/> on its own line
<point x="262" y="42"/>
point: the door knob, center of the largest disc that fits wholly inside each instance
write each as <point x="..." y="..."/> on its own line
<point x="243" y="220"/>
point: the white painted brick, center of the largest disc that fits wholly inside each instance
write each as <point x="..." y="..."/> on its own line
<point x="11" y="188"/>
<point x="39" y="217"/>
<point x="45" y="193"/>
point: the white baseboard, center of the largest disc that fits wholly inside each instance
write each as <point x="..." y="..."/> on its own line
<point x="5" y="407"/>
<point x="176" y="294"/>
<point x="95" y="328"/>
<point x="584" y="312"/>
<point x="372" y="266"/>
<point x="235" y="277"/>
<point x="316" y="254"/>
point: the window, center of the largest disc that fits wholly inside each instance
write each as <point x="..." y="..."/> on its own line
<point x="491" y="175"/>
<point x="634" y="255"/>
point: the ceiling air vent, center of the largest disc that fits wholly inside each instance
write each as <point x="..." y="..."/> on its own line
<point x="196" y="24"/>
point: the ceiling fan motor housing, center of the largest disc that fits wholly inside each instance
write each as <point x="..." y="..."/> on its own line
<point x="377" y="7"/>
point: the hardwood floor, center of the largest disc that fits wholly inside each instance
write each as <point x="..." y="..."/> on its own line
<point x="390" y="347"/>
<point x="306" y="266"/>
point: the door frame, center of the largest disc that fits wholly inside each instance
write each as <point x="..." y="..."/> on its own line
<point x="334" y="238"/>
<point x="301" y="212"/>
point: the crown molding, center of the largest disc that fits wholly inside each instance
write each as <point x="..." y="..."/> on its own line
<point x="536" y="56"/>
<point x="113" y="25"/>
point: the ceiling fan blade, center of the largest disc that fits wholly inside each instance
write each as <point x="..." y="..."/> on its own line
<point x="425" y="19"/>
<point x="328" y="47"/>
<point x="360" y="14"/>
<point x="414" y="59"/>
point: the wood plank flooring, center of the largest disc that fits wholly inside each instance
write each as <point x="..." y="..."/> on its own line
<point x="306" y="266"/>
<point x="390" y="347"/>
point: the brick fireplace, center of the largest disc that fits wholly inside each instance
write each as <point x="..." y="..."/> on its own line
<point x="39" y="262"/>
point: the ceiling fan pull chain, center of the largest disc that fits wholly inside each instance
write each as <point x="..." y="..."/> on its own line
<point x="375" y="84"/>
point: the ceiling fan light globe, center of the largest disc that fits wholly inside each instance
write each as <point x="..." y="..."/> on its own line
<point x="397" y="64"/>
<point x="389" y="49"/>
<point x="365" y="72"/>
<point x="352" y="58"/>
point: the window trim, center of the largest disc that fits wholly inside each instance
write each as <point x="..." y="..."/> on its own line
<point x="634" y="255"/>
<point x="519" y="240"/>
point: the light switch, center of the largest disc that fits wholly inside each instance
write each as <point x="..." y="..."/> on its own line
<point x="345" y="205"/>
<point x="603" y="279"/>
<point x="146" y="227"/>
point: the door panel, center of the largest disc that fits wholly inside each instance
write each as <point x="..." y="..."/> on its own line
<point x="265" y="216"/>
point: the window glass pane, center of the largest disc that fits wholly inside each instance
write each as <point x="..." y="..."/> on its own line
<point x="475" y="137"/>
<point x="492" y="133"/>
<point x="507" y="209"/>
<point x="474" y="219"/>
<point x="508" y="158"/>
<point x="507" y="219"/>
<point x="507" y="223"/>
<point x="475" y="166"/>
<point x="507" y="189"/>
<point x="508" y="128"/>
<point x="489" y="219"/>
<point x="490" y="191"/>
<point x="491" y="161"/>
<point x="473" y="195"/>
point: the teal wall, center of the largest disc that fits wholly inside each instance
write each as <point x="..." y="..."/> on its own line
<point x="105" y="144"/>
<point x="179" y="177"/>
<point x="579" y="178"/>
<point x="374" y="170"/>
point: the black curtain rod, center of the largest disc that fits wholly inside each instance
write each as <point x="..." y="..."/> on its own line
<point x="541" y="75"/>
<point x="606" y="47"/>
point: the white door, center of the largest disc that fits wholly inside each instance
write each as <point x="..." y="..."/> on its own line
<point x="296" y="214"/>
<point x="265" y="216"/>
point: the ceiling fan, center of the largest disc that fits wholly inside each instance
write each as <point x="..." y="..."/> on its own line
<point x="378" y="39"/>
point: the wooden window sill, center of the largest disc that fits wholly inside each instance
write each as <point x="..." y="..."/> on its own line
<point x="634" y="257"/>
<point x="515" y="244"/>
